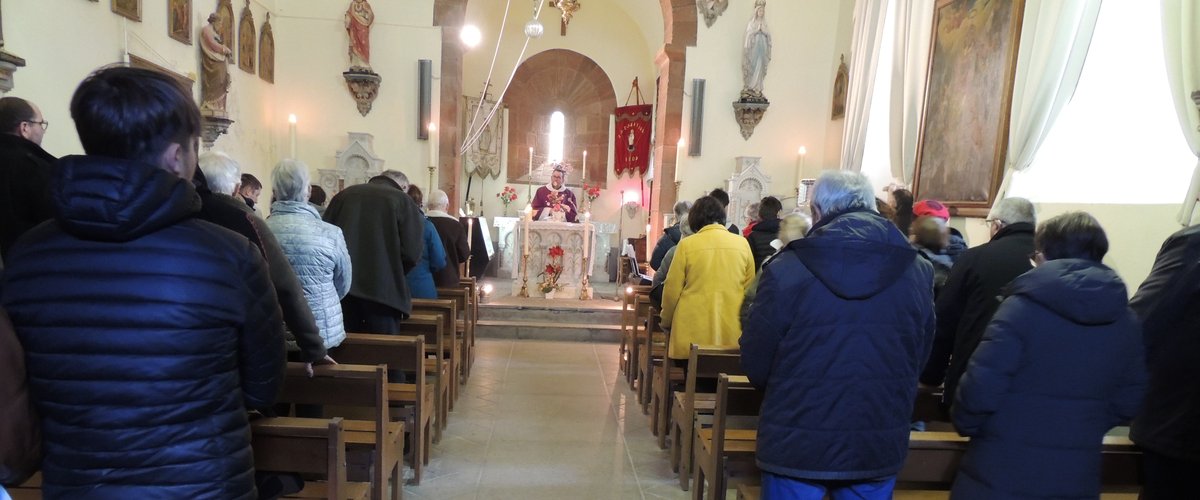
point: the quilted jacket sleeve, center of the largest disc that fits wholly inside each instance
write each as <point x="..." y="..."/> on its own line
<point x="343" y="271"/>
<point x="296" y="312"/>
<point x="261" y="357"/>
<point x="991" y="369"/>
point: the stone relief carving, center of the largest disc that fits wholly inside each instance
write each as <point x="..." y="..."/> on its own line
<point x="247" y="41"/>
<point x="711" y="10"/>
<point x="355" y="165"/>
<point x="747" y="185"/>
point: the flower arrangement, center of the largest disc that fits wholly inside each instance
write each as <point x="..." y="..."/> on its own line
<point x="553" y="270"/>
<point x="592" y="192"/>
<point x="507" y="195"/>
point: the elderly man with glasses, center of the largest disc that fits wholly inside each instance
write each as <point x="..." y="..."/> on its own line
<point x="24" y="170"/>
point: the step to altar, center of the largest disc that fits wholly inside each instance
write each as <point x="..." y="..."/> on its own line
<point x="505" y="316"/>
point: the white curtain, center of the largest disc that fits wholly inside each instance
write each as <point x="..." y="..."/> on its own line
<point x="1055" y="36"/>
<point x="869" y="18"/>
<point x="1181" y="25"/>
<point x="910" y="67"/>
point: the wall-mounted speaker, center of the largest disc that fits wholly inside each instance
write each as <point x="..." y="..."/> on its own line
<point x="696" y="132"/>
<point x="424" y="97"/>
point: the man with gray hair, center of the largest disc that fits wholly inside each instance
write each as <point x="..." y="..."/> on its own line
<point x="968" y="300"/>
<point x="671" y="235"/>
<point x="384" y="232"/>
<point x="837" y="334"/>
<point x="453" y="235"/>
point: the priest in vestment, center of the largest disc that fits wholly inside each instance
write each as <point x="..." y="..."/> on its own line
<point x="555" y="197"/>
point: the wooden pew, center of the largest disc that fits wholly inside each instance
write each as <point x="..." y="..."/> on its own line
<point x="641" y="317"/>
<point x="447" y="311"/>
<point x="31" y="489"/>
<point x="705" y="364"/>
<point x="731" y="440"/>
<point x="436" y="369"/>
<point x="665" y="377"/>
<point x="351" y="388"/>
<point x="933" y="459"/>
<point x="464" y="328"/>
<point x="307" y="446"/>
<point x="412" y="402"/>
<point x="652" y="349"/>
<point x="625" y="365"/>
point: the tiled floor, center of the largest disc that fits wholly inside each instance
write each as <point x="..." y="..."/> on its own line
<point x="547" y="420"/>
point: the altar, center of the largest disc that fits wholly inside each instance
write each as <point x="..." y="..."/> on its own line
<point x="543" y="235"/>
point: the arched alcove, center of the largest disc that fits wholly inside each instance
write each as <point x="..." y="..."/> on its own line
<point x="570" y="82"/>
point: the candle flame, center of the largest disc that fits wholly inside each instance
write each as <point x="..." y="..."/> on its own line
<point x="292" y="118"/>
<point x="803" y="151"/>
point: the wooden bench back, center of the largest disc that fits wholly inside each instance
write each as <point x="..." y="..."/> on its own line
<point x="305" y="446"/>
<point x="708" y="362"/>
<point x="342" y="385"/>
<point x="399" y="352"/>
<point x="428" y="326"/>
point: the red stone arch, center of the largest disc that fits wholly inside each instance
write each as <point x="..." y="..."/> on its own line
<point x="567" y="81"/>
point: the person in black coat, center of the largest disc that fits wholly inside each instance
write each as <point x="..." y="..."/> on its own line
<point x="971" y="294"/>
<point x="1168" y="427"/>
<point x="24" y="171"/>
<point x="765" y="231"/>
<point x="453" y="234"/>
<point x="671" y="235"/>
<point x="1060" y="364"/>
<point x="836" y="336"/>
<point x="219" y="207"/>
<point x="148" y="333"/>
<point x="723" y="197"/>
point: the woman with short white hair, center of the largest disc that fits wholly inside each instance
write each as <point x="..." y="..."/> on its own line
<point x="315" y="249"/>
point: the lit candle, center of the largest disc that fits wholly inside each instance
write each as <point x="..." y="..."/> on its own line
<point x="800" y="164"/>
<point x="585" y="165"/>
<point x="527" y="217"/>
<point x="432" y="145"/>
<point x="292" y="134"/>
<point x="678" y="158"/>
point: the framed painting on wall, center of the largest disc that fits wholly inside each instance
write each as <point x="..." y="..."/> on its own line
<point x="266" y="51"/>
<point x="179" y="20"/>
<point x="247" y="41"/>
<point x="968" y="97"/>
<point x="128" y="8"/>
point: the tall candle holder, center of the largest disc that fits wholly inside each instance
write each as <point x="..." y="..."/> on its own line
<point x="524" y="292"/>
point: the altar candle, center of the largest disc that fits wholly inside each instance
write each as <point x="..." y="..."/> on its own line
<point x="292" y="134"/>
<point x="525" y="231"/>
<point x="529" y="177"/>
<point x="678" y="158"/>
<point x="585" y="166"/>
<point x="432" y="145"/>
<point x="800" y="164"/>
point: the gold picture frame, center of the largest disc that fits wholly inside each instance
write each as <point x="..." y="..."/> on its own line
<point x="131" y="9"/>
<point x="968" y="100"/>
<point x="179" y="20"/>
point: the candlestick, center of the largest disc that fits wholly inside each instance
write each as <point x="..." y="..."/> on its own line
<point x="432" y="144"/>
<point x="292" y="135"/>
<point x="678" y="159"/>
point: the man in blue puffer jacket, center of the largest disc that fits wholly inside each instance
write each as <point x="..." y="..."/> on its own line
<point x="837" y="336"/>
<point x="147" y="332"/>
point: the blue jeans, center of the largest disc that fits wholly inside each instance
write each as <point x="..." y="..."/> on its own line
<point x="775" y="487"/>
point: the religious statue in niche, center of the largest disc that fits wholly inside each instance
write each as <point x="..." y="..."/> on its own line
<point x="751" y="105"/>
<point x="266" y="51"/>
<point x="554" y="201"/>
<point x="179" y="20"/>
<point x="359" y="18"/>
<point x="362" y="82"/>
<point x="711" y="10"/>
<point x="568" y="8"/>
<point x="247" y="40"/>
<point x="224" y="25"/>
<point x="214" y="80"/>
<point x="841" y="83"/>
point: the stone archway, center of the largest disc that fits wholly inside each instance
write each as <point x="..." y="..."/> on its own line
<point x="679" y="32"/>
<point x="567" y="81"/>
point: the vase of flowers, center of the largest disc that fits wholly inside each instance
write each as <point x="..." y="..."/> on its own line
<point x="552" y="271"/>
<point x="592" y="192"/>
<point x="507" y="196"/>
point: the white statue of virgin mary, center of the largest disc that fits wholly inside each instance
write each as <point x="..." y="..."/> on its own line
<point x="756" y="52"/>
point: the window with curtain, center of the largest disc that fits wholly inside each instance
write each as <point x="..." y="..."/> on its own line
<point x="1118" y="140"/>
<point x="876" y="163"/>
<point x="558" y="131"/>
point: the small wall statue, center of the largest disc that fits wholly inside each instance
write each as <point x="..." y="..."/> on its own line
<point x="711" y="10"/>
<point x="756" y="56"/>
<point x="360" y="79"/>
<point x="214" y="81"/>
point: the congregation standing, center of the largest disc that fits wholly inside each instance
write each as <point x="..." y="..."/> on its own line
<point x="145" y="262"/>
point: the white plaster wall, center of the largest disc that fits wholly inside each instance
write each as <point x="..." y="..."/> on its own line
<point x="807" y="38"/>
<point x="63" y="41"/>
<point x="623" y="45"/>
<point x="311" y="57"/>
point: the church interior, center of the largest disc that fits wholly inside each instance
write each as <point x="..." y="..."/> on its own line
<point x="552" y="375"/>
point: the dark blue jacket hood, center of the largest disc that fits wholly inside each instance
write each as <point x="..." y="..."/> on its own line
<point x="1083" y="291"/>
<point x="855" y="254"/>
<point x="110" y="199"/>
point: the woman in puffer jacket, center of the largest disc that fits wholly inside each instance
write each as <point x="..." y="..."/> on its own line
<point x="315" y="249"/>
<point x="1060" y="364"/>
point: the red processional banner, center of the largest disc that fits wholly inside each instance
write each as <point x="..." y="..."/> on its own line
<point x="632" y="148"/>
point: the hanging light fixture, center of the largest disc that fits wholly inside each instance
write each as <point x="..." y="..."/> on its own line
<point x="534" y="28"/>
